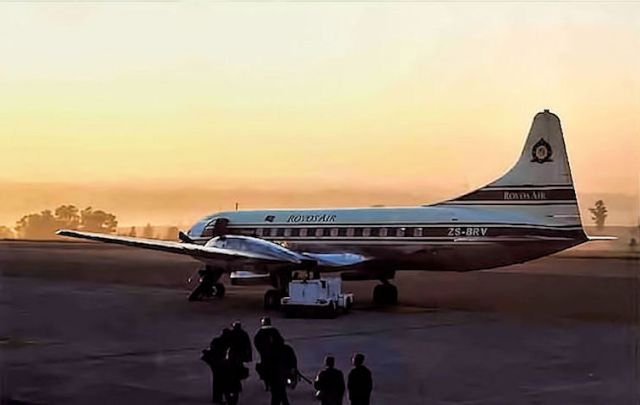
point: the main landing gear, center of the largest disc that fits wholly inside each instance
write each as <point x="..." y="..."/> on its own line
<point x="209" y="286"/>
<point x="273" y="296"/>
<point x="385" y="294"/>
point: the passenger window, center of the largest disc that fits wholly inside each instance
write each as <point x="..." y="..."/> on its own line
<point x="366" y="232"/>
<point x="280" y="232"/>
<point x="417" y="232"/>
<point x="274" y="232"/>
<point x="350" y="232"/>
<point x="287" y="232"/>
<point x="303" y="232"/>
<point x="383" y="232"/>
<point x="295" y="232"/>
<point x="333" y="232"/>
<point x="400" y="232"/>
<point x="318" y="231"/>
<point x="259" y="232"/>
<point x="327" y="232"/>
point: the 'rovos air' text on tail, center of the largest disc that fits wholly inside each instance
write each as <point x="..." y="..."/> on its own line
<point x="539" y="183"/>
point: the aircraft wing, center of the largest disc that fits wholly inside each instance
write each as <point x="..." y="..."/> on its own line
<point x="601" y="238"/>
<point x="189" y="249"/>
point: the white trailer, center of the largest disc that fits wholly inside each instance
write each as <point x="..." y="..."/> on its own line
<point x="316" y="297"/>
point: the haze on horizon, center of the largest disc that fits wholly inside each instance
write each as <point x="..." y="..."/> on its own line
<point x="415" y="98"/>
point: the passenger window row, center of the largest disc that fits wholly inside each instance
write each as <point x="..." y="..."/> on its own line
<point x="364" y="232"/>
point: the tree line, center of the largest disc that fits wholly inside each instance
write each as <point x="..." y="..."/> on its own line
<point x="44" y="224"/>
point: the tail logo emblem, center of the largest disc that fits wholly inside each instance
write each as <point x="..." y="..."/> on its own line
<point x="541" y="152"/>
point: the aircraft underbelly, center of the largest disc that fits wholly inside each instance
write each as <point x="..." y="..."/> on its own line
<point x="462" y="256"/>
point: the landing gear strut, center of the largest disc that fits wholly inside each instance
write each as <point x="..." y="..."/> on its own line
<point x="273" y="296"/>
<point x="209" y="285"/>
<point x="385" y="294"/>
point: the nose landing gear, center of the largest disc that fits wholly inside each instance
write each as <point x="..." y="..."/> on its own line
<point x="385" y="294"/>
<point x="209" y="285"/>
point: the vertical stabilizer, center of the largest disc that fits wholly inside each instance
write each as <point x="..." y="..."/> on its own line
<point x="544" y="160"/>
<point x="539" y="184"/>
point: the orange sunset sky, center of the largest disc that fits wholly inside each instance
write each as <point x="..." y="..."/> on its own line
<point x="324" y="99"/>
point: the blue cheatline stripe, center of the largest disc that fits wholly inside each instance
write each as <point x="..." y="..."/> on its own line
<point x="519" y="203"/>
<point x="538" y="186"/>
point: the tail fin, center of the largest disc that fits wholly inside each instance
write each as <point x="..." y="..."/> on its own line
<point x="540" y="180"/>
<point x="544" y="160"/>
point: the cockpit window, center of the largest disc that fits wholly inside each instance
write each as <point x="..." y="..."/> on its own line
<point x="198" y="229"/>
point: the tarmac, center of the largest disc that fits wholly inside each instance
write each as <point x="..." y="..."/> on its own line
<point x="88" y="323"/>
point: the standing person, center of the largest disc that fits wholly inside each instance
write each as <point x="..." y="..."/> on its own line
<point x="284" y="372"/>
<point x="241" y="343"/>
<point x="267" y="340"/>
<point x="359" y="382"/>
<point x="232" y="374"/>
<point x="330" y="383"/>
<point x="214" y="357"/>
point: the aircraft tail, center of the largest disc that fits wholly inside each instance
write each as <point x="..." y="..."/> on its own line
<point x="539" y="183"/>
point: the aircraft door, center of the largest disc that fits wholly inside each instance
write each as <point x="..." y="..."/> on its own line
<point x="216" y="227"/>
<point x="220" y="227"/>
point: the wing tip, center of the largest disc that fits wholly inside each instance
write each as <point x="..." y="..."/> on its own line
<point x="601" y="238"/>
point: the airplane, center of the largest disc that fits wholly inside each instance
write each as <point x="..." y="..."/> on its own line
<point x="530" y="212"/>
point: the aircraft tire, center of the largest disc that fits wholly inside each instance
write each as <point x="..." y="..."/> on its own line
<point x="272" y="299"/>
<point x="219" y="290"/>
<point x="195" y="295"/>
<point x="392" y="295"/>
<point x="378" y="295"/>
<point x="385" y="295"/>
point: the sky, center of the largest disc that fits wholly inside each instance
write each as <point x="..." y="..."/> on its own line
<point x="407" y="96"/>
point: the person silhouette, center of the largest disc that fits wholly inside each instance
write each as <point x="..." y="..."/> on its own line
<point x="330" y="383"/>
<point x="359" y="381"/>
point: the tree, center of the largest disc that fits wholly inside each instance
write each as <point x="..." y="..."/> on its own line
<point x="37" y="226"/>
<point x="599" y="214"/>
<point x="67" y="216"/>
<point x="172" y="233"/>
<point x="97" y="221"/>
<point x="6" y="232"/>
<point x="132" y="232"/>
<point x="147" y="232"/>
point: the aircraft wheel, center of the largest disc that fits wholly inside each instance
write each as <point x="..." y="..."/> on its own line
<point x="385" y="295"/>
<point x="195" y="295"/>
<point x="219" y="290"/>
<point x="202" y="290"/>
<point x="392" y="295"/>
<point x="272" y="299"/>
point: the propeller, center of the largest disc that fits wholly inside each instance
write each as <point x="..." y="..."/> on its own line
<point x="184" y="237"/>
